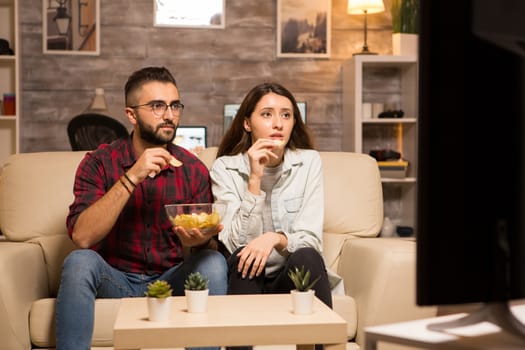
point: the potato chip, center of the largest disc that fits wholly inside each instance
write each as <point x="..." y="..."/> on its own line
<point x="202" y="221"/>
<point x="175" y="162"/>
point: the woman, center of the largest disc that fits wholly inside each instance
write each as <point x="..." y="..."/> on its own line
<point x="271" y="177"/>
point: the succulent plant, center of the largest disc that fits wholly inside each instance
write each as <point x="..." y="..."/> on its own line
<point x="196" y="281"/>
<point x="158" y="289"/>
<point x="301" y="278"/>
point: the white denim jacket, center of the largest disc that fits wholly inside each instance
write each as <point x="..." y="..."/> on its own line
<point x="297" y="203"/>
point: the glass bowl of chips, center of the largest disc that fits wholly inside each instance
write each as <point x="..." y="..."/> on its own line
<point x="203" y="216"/>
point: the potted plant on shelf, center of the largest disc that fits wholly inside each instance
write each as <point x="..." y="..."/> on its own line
<point x="159" y="301"/>
<point x="303" y="294"/>
<point x="196" y="291"/>
<point x="405" y="27"/>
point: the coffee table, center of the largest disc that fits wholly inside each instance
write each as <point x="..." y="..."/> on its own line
<point x="263" y="319"/>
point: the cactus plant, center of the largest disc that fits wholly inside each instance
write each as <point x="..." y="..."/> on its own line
<point x="196" y="281"/>
<point x="301" y="278"/>
<point x="159" y="289"/>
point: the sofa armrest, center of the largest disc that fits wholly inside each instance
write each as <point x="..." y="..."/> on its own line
<point x="24" y="280"/>
<point x="380" y="274"/>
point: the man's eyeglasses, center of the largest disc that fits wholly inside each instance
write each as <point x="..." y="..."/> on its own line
<point x="159" y="108"/>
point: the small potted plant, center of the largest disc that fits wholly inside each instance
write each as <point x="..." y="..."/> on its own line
<point x="196" y="291"/>
<point x="159" y="301"/>
<point x="303" y="294"/>
<point x="405" y="26"/>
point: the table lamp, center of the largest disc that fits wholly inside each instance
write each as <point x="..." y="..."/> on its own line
<point x="98" y="104"/>
<point x="357" y="7"/>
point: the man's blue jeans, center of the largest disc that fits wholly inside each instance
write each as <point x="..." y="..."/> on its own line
<point x="86" y="276"/>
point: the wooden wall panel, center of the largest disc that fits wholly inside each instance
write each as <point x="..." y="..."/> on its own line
<point x="212" y="67"/>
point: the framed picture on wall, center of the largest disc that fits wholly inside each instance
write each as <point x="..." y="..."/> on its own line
<point x="191" y="14"/>
<point x="303" y="28"/>
<point x="71" y="27"/>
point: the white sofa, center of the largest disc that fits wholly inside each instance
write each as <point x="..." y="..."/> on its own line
<point x="36" y="190"/>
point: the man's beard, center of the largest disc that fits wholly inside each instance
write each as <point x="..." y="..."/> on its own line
<point x="155" y="136"/>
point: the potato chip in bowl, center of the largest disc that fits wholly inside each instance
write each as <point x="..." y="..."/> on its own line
<point x="204" y="216"/>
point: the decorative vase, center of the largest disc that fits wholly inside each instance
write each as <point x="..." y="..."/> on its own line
<point x="159" y="309"/>
<point x="197" y="300"/>
<point x="405" y="44"/>
<point x="302" y="302"/>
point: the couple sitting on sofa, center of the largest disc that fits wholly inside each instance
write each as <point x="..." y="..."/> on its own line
<point x="267" y="172"/>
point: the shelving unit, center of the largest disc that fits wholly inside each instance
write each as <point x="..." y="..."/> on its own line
<point x="9" y="78"/>
<point x="390" y="80"/>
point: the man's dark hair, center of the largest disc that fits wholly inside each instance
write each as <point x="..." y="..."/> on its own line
<point x="144" y="75"/>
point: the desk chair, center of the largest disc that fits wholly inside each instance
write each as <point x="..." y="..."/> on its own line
<point x="87" y="131"/>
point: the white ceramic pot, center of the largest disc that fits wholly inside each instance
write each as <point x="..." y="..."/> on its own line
<point x="197" y="300"/>
<point x="159" y="309"/>
<point x="302" y="301"/>
<point x="405" y="44"/>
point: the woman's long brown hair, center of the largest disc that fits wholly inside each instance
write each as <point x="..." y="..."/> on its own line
<point x="238" y="140"/>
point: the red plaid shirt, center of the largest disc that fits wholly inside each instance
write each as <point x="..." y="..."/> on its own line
<point x="142" y="239"/>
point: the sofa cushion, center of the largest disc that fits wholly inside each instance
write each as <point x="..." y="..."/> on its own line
<point x="34" y="201"/>
<point x="208" y="155"/>
<point x="351" y="180"/>
<point x="42" y="322"/>
<point x="358" y="190"/>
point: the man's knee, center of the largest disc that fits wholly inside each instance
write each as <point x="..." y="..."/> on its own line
<point x="80" y="261"/>
<point x="80" y="256"/>
<point x="210" y="262"/>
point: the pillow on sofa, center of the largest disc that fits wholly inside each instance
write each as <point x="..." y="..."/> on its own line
<point x="36" y="190"/>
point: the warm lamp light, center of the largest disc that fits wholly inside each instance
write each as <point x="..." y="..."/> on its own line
<point x="357" y="7"/>
<point x="98" y="104"/>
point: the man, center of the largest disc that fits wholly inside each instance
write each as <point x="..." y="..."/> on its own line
<point x="118" y="218"/>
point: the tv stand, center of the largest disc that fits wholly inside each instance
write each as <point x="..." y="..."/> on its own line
<point x="493" y="326"/>
<point x="498" y="313"/>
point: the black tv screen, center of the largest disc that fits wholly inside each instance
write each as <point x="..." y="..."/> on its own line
<point x="471" y="232"/>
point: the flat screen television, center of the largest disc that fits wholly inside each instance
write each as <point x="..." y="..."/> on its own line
<point x="471" y="167"/>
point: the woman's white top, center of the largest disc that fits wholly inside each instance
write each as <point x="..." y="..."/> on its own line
<point x="296" y="203"/>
